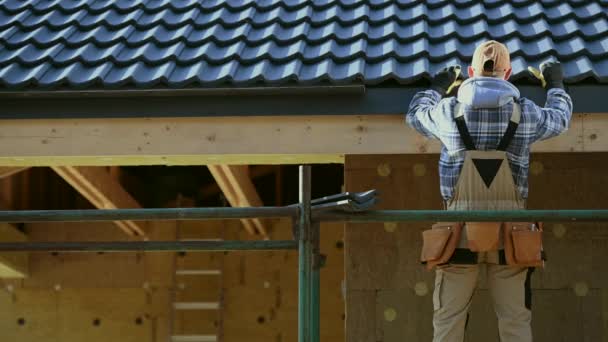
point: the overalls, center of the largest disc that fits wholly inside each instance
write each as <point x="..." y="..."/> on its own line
<point x="485" y="183"/>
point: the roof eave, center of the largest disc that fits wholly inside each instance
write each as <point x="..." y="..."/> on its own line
<point x="216" y="91"/>
<point x="319" y="101"/>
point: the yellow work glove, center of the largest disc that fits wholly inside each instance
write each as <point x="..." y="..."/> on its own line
<point x="539" y="75"/>
<point x="551" y="74"/>
<point x="447" y="79"/>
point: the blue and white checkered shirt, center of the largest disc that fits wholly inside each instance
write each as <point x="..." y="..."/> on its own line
<point x="433" y="117"/>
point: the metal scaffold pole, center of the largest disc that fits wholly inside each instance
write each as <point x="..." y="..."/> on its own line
<point x="582" y="215"/>
<point x="94" y="215"/>
<point x="147" y="246"/>
<point x="305" y="258"/>
<point x="315" y="291"/>
<point x="91" y="215"/>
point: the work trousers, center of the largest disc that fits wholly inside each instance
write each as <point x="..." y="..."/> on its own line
<point x="454" y="286"/>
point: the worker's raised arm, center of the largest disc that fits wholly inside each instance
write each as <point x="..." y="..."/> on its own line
<point x="554" y="118"/>
<point x="424" y="113"/>
<point x="420" y="114"/>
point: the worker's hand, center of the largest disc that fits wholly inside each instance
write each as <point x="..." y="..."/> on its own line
<point x="553" y="73"/>
<point x="446" y="80"/>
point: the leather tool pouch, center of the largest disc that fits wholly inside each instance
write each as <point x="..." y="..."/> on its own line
<point x="483" y="236"/>
<point x="523" y="244"/>
<point x="439" y="243"/>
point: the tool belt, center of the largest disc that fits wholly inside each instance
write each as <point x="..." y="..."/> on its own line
<point x="522" y="241"/>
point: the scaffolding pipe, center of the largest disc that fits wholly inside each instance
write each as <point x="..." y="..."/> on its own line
<point x="90" y="215"/>
<point x="146" y="246"/>
<point x="315" y="289"/>
<point x="305" y="257"/>
<point x="93" y="215"/>
<point x="581" y="215"/>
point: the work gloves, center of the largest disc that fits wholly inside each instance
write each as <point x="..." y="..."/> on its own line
<point x="553" y="72"/>
<point x="447" y="79"/>
<point x="551" y="75"/>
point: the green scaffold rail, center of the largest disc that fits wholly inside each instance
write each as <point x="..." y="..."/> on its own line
<point x="306" y="241"/>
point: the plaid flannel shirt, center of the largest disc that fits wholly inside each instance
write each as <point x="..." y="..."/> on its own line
<point x="433" y="117"/>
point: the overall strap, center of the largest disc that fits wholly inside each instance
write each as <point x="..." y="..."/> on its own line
<point x="465" y="135"/>
<point x="467" y="140"/>
<point x="513" y="124"/>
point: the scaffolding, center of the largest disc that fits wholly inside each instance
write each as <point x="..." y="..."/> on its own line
<point x="306" y="223"/>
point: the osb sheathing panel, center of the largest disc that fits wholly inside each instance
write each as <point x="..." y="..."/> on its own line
<point x="83" y="269"/>
<point x="68" y="291"/>
<point x="570" y="294"/>
<point x="195" y="322"/>
<point x="261" y="293"/>
<point x="402" y="313"/>
<point x="382" y="256"/>
<point x="75" y="315"/>
<point x="360" y="322"/>
<point x="129" y="293"/>
<point x="37" y="309"/>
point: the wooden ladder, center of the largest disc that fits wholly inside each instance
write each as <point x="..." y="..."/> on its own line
<point x="192" y="271"/>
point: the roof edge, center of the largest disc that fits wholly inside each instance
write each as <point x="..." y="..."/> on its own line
<point x="321" y="101"/>
<point x="219" y="91"/>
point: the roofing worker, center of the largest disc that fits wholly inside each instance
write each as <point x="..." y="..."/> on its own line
<point x="486" y="133"/>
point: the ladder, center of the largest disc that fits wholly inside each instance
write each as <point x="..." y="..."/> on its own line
<point x="194" y="316"/>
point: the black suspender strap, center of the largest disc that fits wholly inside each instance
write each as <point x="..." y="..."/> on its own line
<point x="511" y="129"/>
<point x="467" y="140"/>
<point x="509" y="134"/>
<point x="465" y="135"/>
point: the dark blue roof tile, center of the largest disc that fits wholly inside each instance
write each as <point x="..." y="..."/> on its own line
<point x="101" y="36"/>
<point x="159" y="34"/>
<point x="188" y="43"/>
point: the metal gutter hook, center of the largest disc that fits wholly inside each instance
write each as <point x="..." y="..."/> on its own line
<point x="538" y="74"/>
<point x="457" y="82"/>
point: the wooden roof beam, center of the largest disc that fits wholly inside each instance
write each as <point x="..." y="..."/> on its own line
<point x="103" y="191"/>
<point x="8" y="171"/>
<point x="13" y="264"/>
<point x="256" y="171"/>
<point x="246" y="193"/>
<point x="274" y="140"/>
<point x="239" y="190"/>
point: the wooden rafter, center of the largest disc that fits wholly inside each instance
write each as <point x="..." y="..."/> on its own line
<point x="236" y="184"/>
<point x="13" y="264"/>
<point x="254" y="172"/>
<point x="8" y="171"/>
<point x="102" y="190"/>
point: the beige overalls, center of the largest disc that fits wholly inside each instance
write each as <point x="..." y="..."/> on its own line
<point x="485" y="183"/>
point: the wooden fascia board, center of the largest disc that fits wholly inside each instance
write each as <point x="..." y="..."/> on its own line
<point x="240" y="140"/>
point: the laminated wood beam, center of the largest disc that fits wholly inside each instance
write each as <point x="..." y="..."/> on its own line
<point x="240" y="140"/>
<point x="254" y="172"/>
<point x="246" y="193"/>
<point x="239" y="190"/>
<point x="103" y="191"/>
<point x="8" y="171"/>
<point x="13" y="264"/>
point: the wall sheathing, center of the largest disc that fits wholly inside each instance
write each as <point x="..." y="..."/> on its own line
<point x="127" y="296"/>
<point x="389" y="294"/>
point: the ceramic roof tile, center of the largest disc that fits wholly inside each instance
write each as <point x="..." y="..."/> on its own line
<point x="191" y="43"/>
